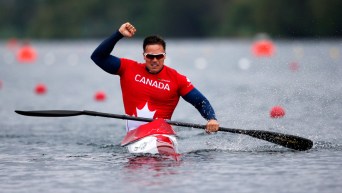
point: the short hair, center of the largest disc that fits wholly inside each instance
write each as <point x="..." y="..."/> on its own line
<point x="154" y="39"/>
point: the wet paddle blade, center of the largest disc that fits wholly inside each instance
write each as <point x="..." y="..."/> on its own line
<point x="50" y="113"/>
<point x="289" y="141"/>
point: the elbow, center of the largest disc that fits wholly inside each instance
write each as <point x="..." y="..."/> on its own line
<point x="96" y="58"/>
<point x="93" y="57"/>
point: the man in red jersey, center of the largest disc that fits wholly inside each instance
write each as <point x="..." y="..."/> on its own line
<point x="150" y="89"/>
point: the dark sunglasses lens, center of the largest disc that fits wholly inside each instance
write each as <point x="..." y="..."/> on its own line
<point x="158" y="56"/>
<point x="150" y="56"/>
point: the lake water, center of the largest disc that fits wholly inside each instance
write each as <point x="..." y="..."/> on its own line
<point x="83" y="154"/>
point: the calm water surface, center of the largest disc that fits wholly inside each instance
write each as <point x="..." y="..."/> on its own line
<point x="82" y="154"/>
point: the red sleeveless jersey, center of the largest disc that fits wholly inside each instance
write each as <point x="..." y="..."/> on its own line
<point x="151" y="95"/>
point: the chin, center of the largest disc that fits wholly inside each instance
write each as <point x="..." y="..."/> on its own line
<point x="154" y="71"/>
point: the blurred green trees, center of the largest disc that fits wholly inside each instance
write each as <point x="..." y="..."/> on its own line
<point x="172" y="18"/>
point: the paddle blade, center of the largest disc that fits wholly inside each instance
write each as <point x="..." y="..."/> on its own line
<point x="50" y="113"/>
<point x="289" y="141"/>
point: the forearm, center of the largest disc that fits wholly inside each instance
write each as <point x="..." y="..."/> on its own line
<point x="201" y="103"/>
<point x="101" y="55"/>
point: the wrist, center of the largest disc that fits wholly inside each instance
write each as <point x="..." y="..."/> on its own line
<point x="119" y="34"/>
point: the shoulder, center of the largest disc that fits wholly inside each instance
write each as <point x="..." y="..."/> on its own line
<point x="128" y="64"/>
<point x="181" y="78"/>
<point x="172" y="71"/>
<point x="183" y="81"/>
<point x="127" y="61"/>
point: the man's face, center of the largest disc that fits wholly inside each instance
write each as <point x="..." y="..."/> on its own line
<point x="154" y="56"/>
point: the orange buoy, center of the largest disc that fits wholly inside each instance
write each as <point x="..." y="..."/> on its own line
<point x="26" y="54"/>
<point x="40" y="89"/>
<point x="277" y="112"/>
<point x="263" y="48"/>
<point x="100" y="96"/>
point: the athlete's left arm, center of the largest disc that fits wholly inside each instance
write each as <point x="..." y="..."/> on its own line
<point x="201" y="103"/>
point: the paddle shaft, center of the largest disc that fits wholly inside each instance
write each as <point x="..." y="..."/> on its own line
<point x="289" y="141"/>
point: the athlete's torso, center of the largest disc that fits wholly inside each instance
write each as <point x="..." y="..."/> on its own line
<point x="151" y="95"/>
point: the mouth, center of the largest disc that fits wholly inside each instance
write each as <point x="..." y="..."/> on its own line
<point x="154" y="64"/>
<point x="153" y="67"/>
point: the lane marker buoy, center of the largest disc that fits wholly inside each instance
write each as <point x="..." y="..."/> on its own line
<point x="100" y="96"/>
<point x="40" y="89"/>
<point x="263" y="48"/>
<point x="26" y="54"/>
<point x="277" y="112"/>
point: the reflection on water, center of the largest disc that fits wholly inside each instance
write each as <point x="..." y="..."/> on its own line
<point x="160" y="164"/>
<point x="151" y="172"/>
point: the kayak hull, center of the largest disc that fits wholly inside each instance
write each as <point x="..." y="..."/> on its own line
<point x="155" y="144"/>
<point x="154" y="138"/>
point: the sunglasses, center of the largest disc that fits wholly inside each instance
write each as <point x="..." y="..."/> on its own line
<point x="152" y="56"/>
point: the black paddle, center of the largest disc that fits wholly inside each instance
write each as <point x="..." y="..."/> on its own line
<point x="289" y="141"/>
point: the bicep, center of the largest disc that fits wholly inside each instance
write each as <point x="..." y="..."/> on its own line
<point x="201" y="103"/>
<point x="194" y="97"/>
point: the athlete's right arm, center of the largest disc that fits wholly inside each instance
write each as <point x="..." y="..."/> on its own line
<point x="101" y="55"/>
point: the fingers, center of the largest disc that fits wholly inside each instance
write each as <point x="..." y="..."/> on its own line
<point x="212" y="126"/>
<point x="130" y="28"/>
<point x="127" y="29"/>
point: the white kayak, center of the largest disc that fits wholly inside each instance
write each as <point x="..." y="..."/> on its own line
<point x="156" y="137"/>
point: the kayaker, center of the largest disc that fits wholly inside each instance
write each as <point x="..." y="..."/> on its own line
<point x="150" y="89"/>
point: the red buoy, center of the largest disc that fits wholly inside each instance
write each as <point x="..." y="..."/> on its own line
<point x="40" y="89"/>
<point x="26" y="54"/>
<point x="263" y="48"/>
<point x="100" y="96"/>
<point x="277" y="112"/>
<point x="0" y="84"/>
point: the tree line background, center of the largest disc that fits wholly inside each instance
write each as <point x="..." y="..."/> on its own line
<point x="67" y="19"/>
